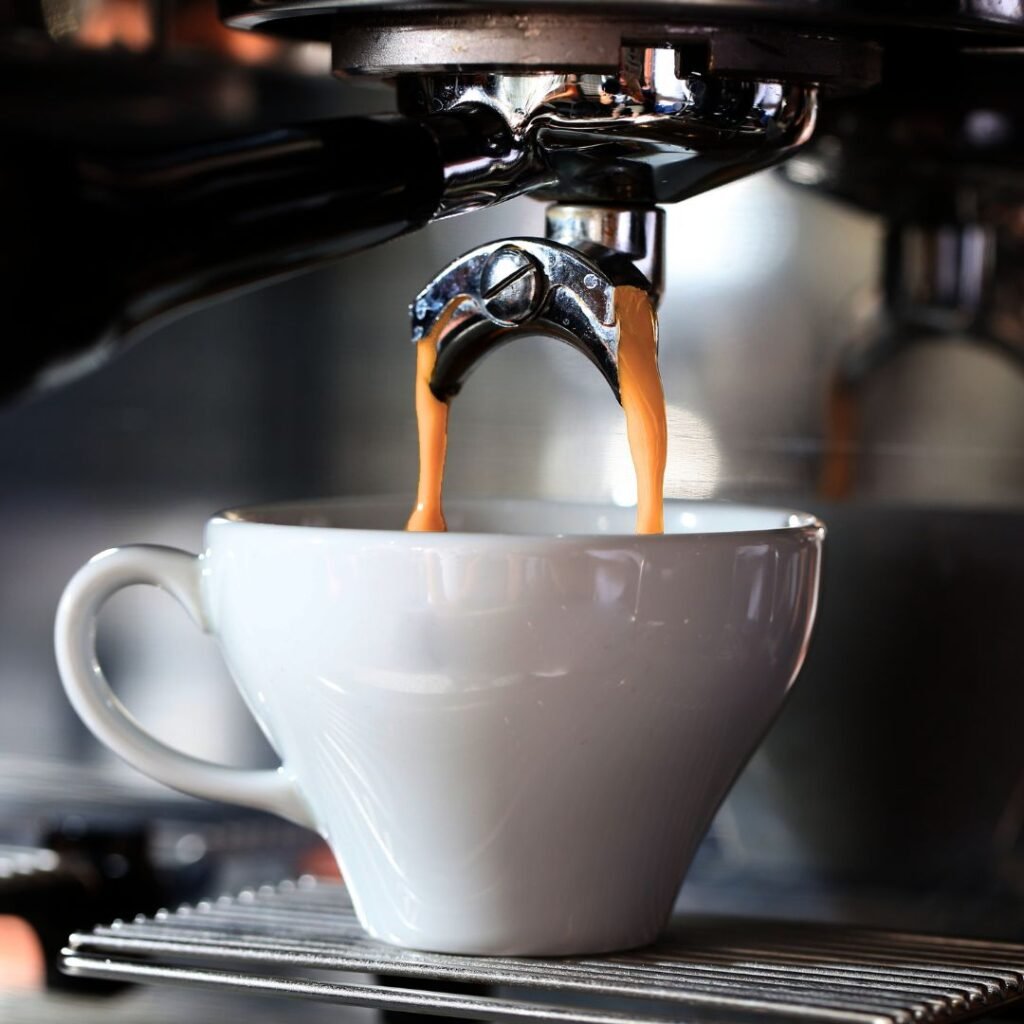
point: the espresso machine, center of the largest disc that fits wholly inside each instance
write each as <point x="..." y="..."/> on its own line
<point x="270" y="200"/>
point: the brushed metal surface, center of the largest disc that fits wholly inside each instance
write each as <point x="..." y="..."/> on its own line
<point x="302" y="939"/>
<point x="977" y="16"/>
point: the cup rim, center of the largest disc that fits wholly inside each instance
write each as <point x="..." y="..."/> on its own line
<point x="258" y="515"/>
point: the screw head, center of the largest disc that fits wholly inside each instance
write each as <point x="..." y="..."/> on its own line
<point x="512" y="285"/>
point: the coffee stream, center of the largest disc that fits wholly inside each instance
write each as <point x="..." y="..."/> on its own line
<point x="643" y="403"/>
<point x="432" y="423"/>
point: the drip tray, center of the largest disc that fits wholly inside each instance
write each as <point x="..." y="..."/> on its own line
<point x="302" y="939"/>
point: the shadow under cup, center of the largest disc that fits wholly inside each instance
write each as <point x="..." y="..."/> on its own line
<point x="514" y="734"/>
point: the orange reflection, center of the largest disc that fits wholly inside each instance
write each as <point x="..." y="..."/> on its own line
<point x="197" y="27"/>
<point x="319" y="861"/>
<point x="123" y="23"/>
<point x="22" y="965"/>
<point x="193" y="25"/>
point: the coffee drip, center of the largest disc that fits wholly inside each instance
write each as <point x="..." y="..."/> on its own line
<point x="643" y="402"/>
<point x="640" y="392"/>
<point x="432" y="427"/>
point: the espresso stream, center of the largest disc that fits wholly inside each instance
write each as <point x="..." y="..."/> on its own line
<point x="643" y="403"/>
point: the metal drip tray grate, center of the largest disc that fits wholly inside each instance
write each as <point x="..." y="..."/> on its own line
<point x="302" y="939"/>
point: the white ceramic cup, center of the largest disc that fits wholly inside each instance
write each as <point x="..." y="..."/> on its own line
<point x="513" y="735"/>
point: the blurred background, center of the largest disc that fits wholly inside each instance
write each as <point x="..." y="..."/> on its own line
<point x="304" y="389"/>
<point x="891" y="789"/>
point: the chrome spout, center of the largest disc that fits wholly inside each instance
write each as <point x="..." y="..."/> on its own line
<point x="637" y="232"/>
<point x="522" y="286"/>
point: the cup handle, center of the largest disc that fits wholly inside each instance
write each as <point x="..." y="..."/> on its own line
<point x="177" y="572"/>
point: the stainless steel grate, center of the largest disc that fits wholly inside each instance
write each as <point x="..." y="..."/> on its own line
<point x="302" y="939"/>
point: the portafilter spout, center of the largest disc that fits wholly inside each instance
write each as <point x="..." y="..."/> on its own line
<point x="637" y="232"/>
<point x="524" y="286"/>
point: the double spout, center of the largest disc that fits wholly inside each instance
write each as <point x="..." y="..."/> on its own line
<point x="564" y="287"/>
<point x="608" y="150"/>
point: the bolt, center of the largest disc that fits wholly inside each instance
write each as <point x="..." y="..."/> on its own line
<point x="512" y="285"/>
